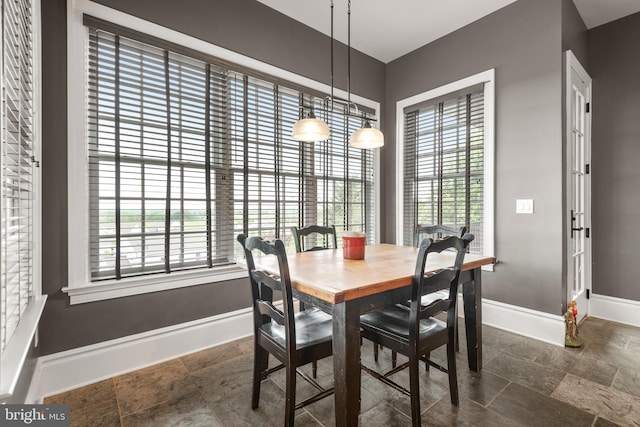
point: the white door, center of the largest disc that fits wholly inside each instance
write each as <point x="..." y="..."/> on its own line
<point x="578" y="184"/>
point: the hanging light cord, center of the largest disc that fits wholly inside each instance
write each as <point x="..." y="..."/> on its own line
<point x="332" y="99"/>
<point x="331" y="55"/>
<point x="349" y="53"/>
<point x="349" y="103"/>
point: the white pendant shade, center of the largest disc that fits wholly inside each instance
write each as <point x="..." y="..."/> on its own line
<point x="367" y="137"/>
<point x="310" y="130"/>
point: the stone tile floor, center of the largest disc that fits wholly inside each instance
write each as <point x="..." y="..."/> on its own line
<point x="524" y="383"/>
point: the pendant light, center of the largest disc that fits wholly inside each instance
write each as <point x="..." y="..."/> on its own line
<point x="367" y="136"/>
<point x="310" y="129"/>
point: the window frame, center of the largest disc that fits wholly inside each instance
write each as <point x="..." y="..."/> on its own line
<point x="487" y="78"/>
<point x="19" y="345"/>
<point x="80" y="287"/>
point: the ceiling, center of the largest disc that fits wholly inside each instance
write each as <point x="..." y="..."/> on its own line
<point x="387" y="29"/>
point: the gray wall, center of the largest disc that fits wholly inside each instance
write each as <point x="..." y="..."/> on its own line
<point x="244" y="26"/>
<point x="574" y="33"/>
<point x="615" y="69"/>
<point x="523" y="43"/>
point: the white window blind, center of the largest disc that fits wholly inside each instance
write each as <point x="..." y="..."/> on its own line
<point x="16" y="216"/>
<point x="186" y="152"/>
<point x="444" y="164"/>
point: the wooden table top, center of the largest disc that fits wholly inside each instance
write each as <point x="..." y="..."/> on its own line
<point x="327" y="276"/>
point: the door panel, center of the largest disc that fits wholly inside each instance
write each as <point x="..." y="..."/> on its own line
<point x="578" y="185"/>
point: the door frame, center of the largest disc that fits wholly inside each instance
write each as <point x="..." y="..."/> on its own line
<point x="573" y="64"/>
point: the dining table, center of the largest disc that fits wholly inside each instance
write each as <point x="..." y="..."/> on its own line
<point x="348" y="288"/>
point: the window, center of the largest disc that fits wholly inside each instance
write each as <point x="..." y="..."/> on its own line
<point x="151" y="174"/>
<point x="446" y="169"/>
<point x="443" y="165"/>
<point x="17" y="165"/>
<point x="185" y="151"/>
<point x="20" y="303"/>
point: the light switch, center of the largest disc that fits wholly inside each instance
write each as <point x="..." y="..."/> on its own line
<point x="524" y="206"/>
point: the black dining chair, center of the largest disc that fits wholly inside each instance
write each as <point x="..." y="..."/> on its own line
<point x="416" y="332"/>
<point x="306" y="239"/>
<point x="294" y="339"/>
<point x="435" y="232"/>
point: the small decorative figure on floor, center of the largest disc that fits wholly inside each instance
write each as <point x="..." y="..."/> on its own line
<point x="572" y="339"/>
<point x="574" y="310"/>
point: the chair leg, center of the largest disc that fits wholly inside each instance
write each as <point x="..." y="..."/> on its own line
<point x="414" y="385"/>
<point x="394" y="359"/>
<point x="375" y="352"/>
<point x="290" y="395"/>
<point x="455" y="331"/>
<point x="314" y="369"/>
<point x="426" y="363"/>
<point x="453" y="376"/>
<point x="260" y="364"/>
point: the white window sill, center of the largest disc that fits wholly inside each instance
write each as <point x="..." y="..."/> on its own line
<point x="18" y="347"/>
<point x="108" y="289"/>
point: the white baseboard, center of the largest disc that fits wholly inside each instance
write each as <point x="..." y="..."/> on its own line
<point x="615" y="309"/>
<point x="60" y="372"/>
<point x="531" y="323"/>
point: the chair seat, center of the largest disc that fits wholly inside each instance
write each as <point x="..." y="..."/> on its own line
<point x="394" y="321"/>
<point x="313" y="326"/>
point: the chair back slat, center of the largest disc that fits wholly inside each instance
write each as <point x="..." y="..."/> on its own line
<point x="436" y="232"/>
<point x="438" y="280"/>
<point x="435" y="307"/>
<point x="432" y="282"/>
<point x="262" y="277"/>
<point x="299" y="235"/>
<point x="267" y="308"/>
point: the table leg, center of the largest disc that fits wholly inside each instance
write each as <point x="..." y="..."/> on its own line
<point x="346" y="363"/>
<point x="472" y="297"/>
